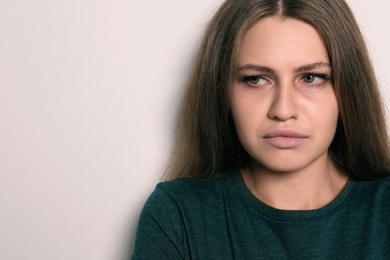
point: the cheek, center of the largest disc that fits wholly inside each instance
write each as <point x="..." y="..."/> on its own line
<point x="242" y="112"/>
<point x="239" y="117"/>
<point x="322" y="107"/>
<point x="327" y="117"/>
<point x="247" y="107"/>
<point x="246" y="119"/>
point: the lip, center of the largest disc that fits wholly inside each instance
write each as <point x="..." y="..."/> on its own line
<point x="282" y="138"/>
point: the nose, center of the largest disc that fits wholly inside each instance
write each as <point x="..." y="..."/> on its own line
<point x="284" y="103"/>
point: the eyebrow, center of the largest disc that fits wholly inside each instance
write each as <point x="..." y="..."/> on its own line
<point x="257" y="68"/>
<point x="312" y="66"/>
<point x="265" y="69"/>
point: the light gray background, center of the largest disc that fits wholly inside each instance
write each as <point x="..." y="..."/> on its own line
<point x="89" y="92"/>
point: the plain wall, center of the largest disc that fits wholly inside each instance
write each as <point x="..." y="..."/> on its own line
<point x="89" y="93"/>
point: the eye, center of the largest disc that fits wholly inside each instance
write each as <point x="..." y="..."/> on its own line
<point x="310" y="78"/>
<point x="254" y="80"/>
<point x="315" y="78"/>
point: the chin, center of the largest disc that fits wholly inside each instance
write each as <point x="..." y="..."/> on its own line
<point x="282" y="166"/>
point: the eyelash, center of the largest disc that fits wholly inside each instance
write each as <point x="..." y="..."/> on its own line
<point x="323" y="77"/>
<point x="247" y="79"/>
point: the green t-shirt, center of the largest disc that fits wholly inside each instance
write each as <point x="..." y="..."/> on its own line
<point x="221" y="219"/>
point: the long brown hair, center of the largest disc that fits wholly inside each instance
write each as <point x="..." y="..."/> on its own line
<point x="207" y="143"/>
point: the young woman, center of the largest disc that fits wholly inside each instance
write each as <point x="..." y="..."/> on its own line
<point x="283" y="150"/>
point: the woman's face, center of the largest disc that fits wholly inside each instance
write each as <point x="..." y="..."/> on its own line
<point x="283" y="103"/>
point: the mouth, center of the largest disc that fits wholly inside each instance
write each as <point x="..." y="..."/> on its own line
<point x="285" y="138"/>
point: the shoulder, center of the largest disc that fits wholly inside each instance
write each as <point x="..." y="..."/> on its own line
<point x="373" y="192"/>
<point x="194" y="192"/>
<point x="183" y="199"/>
<point x="176" y="208"/>
<point x="378" y="186"/>
<point x="197" y="186"/>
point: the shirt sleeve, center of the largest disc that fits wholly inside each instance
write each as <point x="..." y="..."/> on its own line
<point x="160" y="229"/>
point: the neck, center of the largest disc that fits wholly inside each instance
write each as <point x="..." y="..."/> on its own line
<point x="306" y="189"/>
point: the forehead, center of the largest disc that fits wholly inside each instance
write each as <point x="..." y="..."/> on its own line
<point x="278" y="40"/>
